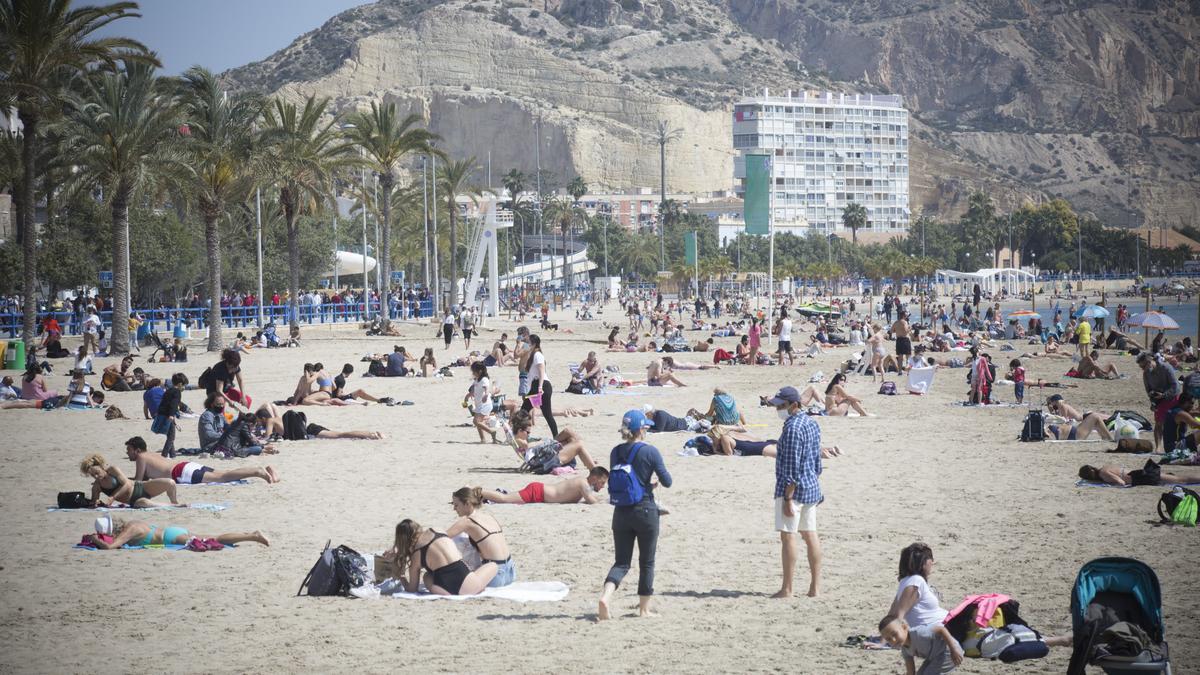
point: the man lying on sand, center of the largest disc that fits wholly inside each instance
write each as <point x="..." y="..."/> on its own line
<point x="150" y="465"/>
<point x="570" y="491"/>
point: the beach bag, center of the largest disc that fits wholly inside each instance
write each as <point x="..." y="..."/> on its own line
<point x="295" y="426"/>
<point x="543" y="458"/>
<point x="1131" y="416"/>
<point x="888" y="389"/>
<point x="1026" y="644"/>
<point x="109" y="379"/>
<point x="624" y="488"/>
<point x="576" y="387"/>
<point x="1177" y="505"/>
<point x="335" y="572"/>
<point x="377" y="369"/>
<point x="73" y="500"/>
<point x="1035" y="428"/>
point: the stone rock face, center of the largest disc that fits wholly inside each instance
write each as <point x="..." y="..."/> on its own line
<point x="1094" y="100"/>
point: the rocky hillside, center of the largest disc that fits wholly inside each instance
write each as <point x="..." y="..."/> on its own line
<point x="1097" y="101"/>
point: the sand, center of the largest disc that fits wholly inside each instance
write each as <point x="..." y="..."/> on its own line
<point x="1000" y="515"/>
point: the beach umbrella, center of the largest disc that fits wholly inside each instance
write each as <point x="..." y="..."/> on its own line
<point x="1091" y="312"/>
<point x="1152" y="319"/>
<point x="1023" y="314"/>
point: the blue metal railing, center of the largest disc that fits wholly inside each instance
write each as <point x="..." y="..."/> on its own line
<point x="165" y="319"/>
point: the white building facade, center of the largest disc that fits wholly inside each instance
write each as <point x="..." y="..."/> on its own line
<point x="829" y="150"/>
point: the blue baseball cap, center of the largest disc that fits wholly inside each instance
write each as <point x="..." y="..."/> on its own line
<point x="635" y="420"/>
<point x="785" y="396"/>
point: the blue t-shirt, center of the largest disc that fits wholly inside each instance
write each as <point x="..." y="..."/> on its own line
<point x="153" y="397"/>
<point x="395" y="364"/>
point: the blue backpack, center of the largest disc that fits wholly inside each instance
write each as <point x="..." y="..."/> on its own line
<point x="624" y="488"/>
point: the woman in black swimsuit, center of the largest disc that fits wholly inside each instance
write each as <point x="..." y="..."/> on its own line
<point x="447" y="574"/>
<point x="484" y="533"/>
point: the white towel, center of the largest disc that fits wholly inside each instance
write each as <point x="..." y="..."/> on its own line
<point x="521" y="591"/>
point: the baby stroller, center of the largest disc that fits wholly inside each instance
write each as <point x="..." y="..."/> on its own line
<point x="158" y="346"/>
<point x="1116" y="615"/>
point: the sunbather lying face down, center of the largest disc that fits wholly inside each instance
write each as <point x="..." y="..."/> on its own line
<point x="141" y="533"/>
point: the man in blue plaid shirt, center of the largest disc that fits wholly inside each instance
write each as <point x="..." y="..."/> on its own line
<point x="797" y="488"/>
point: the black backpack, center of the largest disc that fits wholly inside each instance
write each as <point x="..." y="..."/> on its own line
<point x="295" y="426"/>
<point x="1170" y="499"/>
<point x="73" y="500"/>
<point x="205" y="380"/>
<point x="336" y="572"/>
<point x="1034" y="429"/>
<point x="377" y="369"/>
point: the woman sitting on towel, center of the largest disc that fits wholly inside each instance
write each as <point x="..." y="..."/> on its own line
<point x="446" y="573"/>
<point x="838" y="402"/>
<point x="484" y="533"/>
<point x="141" y="533"/>
<point x="919" y="603"/>
<point x="112" y="482"/>
<point x="1080" y="426"/>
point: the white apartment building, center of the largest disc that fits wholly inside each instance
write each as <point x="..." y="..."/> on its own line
<point x="828" y="150"/>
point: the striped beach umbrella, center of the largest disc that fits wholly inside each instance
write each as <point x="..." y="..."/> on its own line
<point x="1152" y="319"/>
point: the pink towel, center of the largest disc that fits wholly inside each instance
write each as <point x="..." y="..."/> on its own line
<point x="988" y="604"/>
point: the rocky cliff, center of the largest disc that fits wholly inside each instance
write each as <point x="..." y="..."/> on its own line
<point x="1096" y="101"/>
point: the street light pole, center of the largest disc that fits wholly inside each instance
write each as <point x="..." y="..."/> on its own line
<point x="425" y="212"/>
<point x="366" y="282"/>
<point x="258" y="239"/>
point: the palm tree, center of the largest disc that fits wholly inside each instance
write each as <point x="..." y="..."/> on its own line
<point x="561" y="211"/>
<point x="387" y="140"/>
<point x="43" y="43"/>
<point x="453" y="179"/>
<point x="302" y="151"/>
<point x="854" y="216"/>
<point x="219" y="147"/>
<point x="514" y="182"/>
<point x="637" y="255"/>
<point x="120" y="134"/>
<point x="577" y="188"/>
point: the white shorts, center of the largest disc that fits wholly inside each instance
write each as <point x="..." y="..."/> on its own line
<point x="803" y="519"/>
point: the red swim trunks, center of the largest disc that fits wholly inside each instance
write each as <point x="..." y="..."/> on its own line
<point x="534" y="493"/>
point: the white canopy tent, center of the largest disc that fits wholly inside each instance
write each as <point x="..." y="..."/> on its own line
<point x="991" y="280"/>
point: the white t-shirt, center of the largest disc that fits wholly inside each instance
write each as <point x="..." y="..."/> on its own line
<point x="928" y="609"/>
<point x="537" y="366"/>
<point x="91" y="324"/>
<point x="481" y="391"/>
<point x="785" y="330"/>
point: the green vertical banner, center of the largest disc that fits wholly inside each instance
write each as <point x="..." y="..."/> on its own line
<point x="757" y="204"/>
<point x="689" y="248"/>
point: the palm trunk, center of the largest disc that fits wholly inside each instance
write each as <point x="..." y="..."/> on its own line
<point x="387" y="182"/>
<point x="212" y="246"/>
<point x="28" y="229"/>
<point x="566" y="273"/>
<point x="119" y="342"/>
<point x="450" y="205"/>
<point x="293" y="243"/>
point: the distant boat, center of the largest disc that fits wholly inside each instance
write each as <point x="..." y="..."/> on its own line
<point x="818" y="309"/>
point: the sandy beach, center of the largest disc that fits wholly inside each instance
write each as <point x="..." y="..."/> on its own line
<point x="1001" y="516"/>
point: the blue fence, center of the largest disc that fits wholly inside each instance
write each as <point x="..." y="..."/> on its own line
<point x="165" y="320"/>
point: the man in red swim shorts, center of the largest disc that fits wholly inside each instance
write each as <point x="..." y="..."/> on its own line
<point x="570" y="491"/>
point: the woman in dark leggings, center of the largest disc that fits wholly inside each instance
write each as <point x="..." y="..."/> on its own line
<point x="637" y="522"/>
<point x="539" y="384"/>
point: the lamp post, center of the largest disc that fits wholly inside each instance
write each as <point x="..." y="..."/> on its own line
<point x="258" y="239"/>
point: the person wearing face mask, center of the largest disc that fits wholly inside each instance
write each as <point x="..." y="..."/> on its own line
<point x="797" y="488"/>
<point x="212" y="421"/>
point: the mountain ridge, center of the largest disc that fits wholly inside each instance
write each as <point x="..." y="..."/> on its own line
<point x="1095" y="101"/>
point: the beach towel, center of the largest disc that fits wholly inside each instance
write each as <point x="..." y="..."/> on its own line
<point x="1085" y="483"/>
<point x="521" y="591"/>
<point x="163" y="547"/>
<point x="920" y="380"/>
<point x="240" y="481"/>
<point x="165" y="507"/>
<point x="1077" y="440"/>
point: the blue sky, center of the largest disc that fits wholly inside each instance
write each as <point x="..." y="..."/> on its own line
<point x="223" y="34"/>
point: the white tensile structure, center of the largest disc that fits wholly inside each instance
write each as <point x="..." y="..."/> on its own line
<point x="990" y="279"/>
<point x="484" y="245"/>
